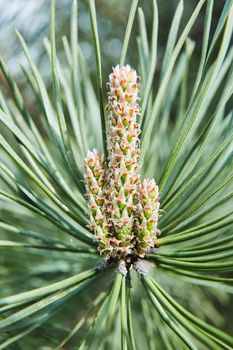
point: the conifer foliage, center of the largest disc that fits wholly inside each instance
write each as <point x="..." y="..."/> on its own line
<point x="116" y="224"/>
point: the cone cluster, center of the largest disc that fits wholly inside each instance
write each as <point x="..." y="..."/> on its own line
<point x="123" y="211"/>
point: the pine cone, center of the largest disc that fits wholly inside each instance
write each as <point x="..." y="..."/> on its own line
<point x="94" y="176"/>
<point x="123" y="212"/>
<point x="147" y="216"/>
<point x="123" y="155"/>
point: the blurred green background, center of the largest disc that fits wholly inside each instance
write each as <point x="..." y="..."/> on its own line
<point x="31" y="18"/>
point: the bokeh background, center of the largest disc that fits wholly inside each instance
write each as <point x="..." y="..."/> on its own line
<point x="31" y="18"/>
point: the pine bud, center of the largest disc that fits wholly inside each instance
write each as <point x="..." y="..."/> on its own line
<point x="123" y="212"/>
<point x="147" y="216"/>
<point x="94" y="176"/>
<point x="123" y="151"/>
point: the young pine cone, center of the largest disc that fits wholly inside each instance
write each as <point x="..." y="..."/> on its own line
<point x="147" y="216"/>
<point x="123" y="155"/>
<point x="123" y="211"/>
